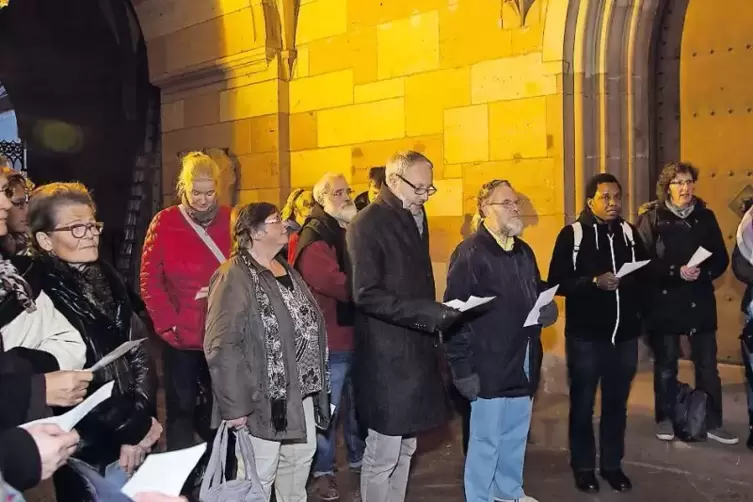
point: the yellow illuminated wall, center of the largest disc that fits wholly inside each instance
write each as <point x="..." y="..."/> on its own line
<point x="462" y="81"/>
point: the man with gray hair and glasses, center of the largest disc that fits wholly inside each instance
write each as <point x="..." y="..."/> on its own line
<point x="399" y="385"/>
<point x="319" y="255"/>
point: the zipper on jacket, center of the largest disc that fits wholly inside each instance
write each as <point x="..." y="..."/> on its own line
<point x="616" y="291"/>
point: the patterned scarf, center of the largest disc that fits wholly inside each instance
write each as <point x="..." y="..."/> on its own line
<point x="11" y="282"/>
<point x="201" y="218"/>
<point x="273" y="348"/>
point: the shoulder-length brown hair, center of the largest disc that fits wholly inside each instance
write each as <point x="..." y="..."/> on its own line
<point x="668" y="174"/>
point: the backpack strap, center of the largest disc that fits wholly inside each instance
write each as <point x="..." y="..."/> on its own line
<point x="577" y="239"/>
<point x="627" y="233"/>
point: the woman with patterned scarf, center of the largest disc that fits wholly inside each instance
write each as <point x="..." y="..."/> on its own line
<point x="185" y="244"/>
<point x="742" y="266"/>
<point x="266" y="346"/>
<point x="119" y="433"/>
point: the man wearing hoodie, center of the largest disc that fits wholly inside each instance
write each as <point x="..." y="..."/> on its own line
<point x="603" y="323"/>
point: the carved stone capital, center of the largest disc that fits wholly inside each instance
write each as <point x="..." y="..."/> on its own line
<point x="514" y="13"/>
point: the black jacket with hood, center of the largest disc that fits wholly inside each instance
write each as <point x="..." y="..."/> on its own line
<point x="593" y="313"/>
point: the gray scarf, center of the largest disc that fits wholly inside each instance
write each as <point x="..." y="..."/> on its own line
<point x="201" y="218"/>
<point x="681" y="212"/>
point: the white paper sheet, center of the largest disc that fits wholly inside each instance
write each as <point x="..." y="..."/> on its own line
<point x="472" y="302"/>
<point x="68" y="421"/>
<point x="630" y="267"/>
<point x="202" y="293"/>
<point x="116" y="354"/>
<point x="164" y="472"/>
<point x="701" y="255"/>
<point x="545" y="298"/>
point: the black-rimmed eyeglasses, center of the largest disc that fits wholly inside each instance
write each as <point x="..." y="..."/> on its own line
<point x="79" y="230"/>
<point x="430" y="190"/>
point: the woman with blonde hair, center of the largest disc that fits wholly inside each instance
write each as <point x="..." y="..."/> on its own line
<point x="184" y="245"/>
<point x="295" y="213"/>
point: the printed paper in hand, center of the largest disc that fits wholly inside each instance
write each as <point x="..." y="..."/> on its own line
<point x="545" y="298"/>
<point x="472" y="302"/>
<point x="203" y="293"/>
<point x="701" y="255"/>
<point x="68" y="421"/>
<point x="164" y="472"/>
<point x="116" y="354"/>
<point x="630" y="267"/>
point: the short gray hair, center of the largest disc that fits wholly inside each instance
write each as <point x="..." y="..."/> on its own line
<point x="401" y="161"/>
<point x="324" y="185"/>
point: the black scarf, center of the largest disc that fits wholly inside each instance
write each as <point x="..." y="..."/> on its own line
<point x="12" y="284"/>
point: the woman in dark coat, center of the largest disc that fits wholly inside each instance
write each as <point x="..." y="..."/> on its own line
<point x="681" y="298"/>
<point x="120" y="432"/>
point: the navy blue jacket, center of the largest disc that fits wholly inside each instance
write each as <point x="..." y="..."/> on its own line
<point x="491" y="342"/>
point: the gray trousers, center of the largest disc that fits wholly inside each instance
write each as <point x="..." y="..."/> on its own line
<point x="386" y="467"/>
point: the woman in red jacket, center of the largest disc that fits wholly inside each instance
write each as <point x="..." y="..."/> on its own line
<point x="185" y="244"/>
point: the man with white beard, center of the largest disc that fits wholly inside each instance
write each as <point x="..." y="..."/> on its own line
<point x="321" y="258"/>
<point x="494" y="360"/>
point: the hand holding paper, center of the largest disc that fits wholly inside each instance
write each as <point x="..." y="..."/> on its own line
<point x="164" y="472"/>
<point x="472" y="302"/>
<point x="545" y="298"/>
<point x="630" y="267"/>
<point x="701" y="255"/>
<point x="68" y="421"/>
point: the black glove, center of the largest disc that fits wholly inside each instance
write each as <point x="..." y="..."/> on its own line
<point x="548" y="314"/>
<point x="447" y="317"/>
<point x="469" y="387"/>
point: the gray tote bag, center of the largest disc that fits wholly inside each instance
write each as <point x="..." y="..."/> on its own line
<point x="215" y="488"/>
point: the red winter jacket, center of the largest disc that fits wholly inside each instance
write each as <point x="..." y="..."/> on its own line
<point x="175" y="266"/>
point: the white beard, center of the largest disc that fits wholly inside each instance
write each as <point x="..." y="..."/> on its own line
<point x="514" y="227"/>
<point x="346" y="214"/>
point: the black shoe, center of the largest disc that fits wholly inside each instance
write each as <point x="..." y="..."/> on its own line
<point x="617" y="480"/>
<point x="750" y="440"/>
<point x="585" y="481"/>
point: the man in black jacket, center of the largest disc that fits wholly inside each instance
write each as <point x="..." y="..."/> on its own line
<point x="495" y="360"/>
<point x="376" y="181"/>
<point x="603" y="323"/>
<point x="682" y="300"/>
<point x="396" y="371"/>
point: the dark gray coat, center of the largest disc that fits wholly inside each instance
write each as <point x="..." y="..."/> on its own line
<point x="234" y="348"/>
<point x="399" y="385"/>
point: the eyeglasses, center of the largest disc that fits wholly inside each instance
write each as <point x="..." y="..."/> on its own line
<point x="343" y="191"/>
<point x="79" y="230"/>
<point x="430" y="190"/>
<point x="507" y="204"/>
<point x="682" y="183"/>
<point x="273" y="221"/>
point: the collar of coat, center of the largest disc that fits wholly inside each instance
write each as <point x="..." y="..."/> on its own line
<point x="321" y="226"/>
<point x="388" y="199"/>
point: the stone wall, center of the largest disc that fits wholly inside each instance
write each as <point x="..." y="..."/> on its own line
<point x="466" y="82"/>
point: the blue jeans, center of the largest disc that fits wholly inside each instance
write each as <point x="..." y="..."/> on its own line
<point x="748" y="363"/>
<point x="497" y="447"/>
<point x="324" y="461"/>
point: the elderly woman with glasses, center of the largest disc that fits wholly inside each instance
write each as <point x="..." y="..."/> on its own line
<point x="266" y="347"/>
<point x="16" y="241"/>
<point x="119" y="433"/>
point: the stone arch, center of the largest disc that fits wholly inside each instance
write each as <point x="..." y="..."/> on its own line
<point x="604" y="47"/>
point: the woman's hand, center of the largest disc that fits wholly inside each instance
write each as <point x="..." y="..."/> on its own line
<point x="54" y="445"/>
<point x="155" y="432"/>
<point x="66" y="388"/>
<point x="238" y="423"/>
<point x="131" y="456"/>
<point x="690" y="274"/>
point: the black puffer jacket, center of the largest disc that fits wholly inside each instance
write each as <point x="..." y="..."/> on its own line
<point x="677" y="306"/>
<point x="98" y="304"/>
